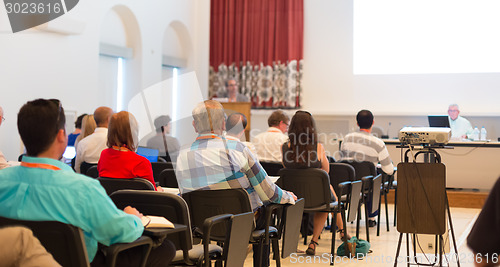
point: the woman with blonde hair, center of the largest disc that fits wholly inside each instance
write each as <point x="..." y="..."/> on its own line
<point x="119" y="160"/>
<point x="88" y="127"/>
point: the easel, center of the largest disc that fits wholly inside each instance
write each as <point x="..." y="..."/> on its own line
<point x="422" y="202"/>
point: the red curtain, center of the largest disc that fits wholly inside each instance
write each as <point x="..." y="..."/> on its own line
<point x="259" y="43"/>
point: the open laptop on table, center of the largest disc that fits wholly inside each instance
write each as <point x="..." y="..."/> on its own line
<point x="438" y="121"/>
<point x="150" y="153"/>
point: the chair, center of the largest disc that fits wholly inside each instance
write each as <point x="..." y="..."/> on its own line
<point x="388" y="183"/>
<point x="158" y="167"/>
<point x="114" y="184"/>
<point x="167" y="179"/>
<point x="339" y="174"/>
<point x="314" y="186"/>
<point x="371" y="196"/>
<point x="92" y="172"/>
<point x="271" y="168"/>
<point x="67" y="245"/>
<point x="84" y="167"/>
<point x="206" y="203"/>
<point x="175" y="209"/>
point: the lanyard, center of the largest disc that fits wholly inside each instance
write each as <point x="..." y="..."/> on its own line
<point x="40" y="166"/>
<point x="208" y="136"/>
<point x="121" y="148"/>
<point x="365" y="130"/>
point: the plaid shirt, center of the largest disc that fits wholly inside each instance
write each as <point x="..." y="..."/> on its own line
<point x="208" y="165"/>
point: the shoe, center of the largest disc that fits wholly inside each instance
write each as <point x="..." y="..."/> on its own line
<point x="372" y="223"/>
<point x="342" y="234"/>
<point x="312" y="250"/>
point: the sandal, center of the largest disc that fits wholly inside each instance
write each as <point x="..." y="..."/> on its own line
<point x="312" y="250"/>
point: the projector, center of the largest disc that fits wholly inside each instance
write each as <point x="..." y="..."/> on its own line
<point x="425" y="135"/>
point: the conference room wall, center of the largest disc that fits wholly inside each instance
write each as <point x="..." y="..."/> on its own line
<point x="43" y="64"/>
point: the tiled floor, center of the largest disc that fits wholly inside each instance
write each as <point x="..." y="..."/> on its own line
<point x="383" y="246"/>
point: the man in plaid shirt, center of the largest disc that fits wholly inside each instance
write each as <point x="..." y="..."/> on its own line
<point x="213" y="162"/>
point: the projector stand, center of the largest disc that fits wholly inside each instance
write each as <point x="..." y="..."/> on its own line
<point x="418" y="182"/>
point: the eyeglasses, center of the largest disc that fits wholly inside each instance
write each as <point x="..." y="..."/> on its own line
<point x="3" y="118"/>
<point x="58" y="103"/>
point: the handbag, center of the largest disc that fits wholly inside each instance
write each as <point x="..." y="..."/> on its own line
<point x="356" y="247"/>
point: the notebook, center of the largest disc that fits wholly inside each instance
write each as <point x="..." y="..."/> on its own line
<point x="150" y="153"/>
<point x="438" y="121"/>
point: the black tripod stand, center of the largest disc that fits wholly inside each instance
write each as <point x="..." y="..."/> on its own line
<point x="422" y="202"/>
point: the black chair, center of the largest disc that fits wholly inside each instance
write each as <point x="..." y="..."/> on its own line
<point x="67" y="245"/>
<point x="175" y="209"/>
<point x="92" y="172"/>
<point x="167" y="179"/>
<point x="339" y="174"/>
<point x="158" y="167"/>
<point x="371" y="196"/>
<point x="314" y="186"/>
<point x="388" y="183"/>
<point x="206" y="203"/>
<point x="271" y="168"/>
<point x="85" y="166"/>
<point x="114" y="184"/>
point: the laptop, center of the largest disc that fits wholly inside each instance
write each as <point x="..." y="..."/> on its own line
<point x="150" y="153"/>
<point x="438" y="121"/>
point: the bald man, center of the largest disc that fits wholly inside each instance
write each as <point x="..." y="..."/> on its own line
<point x="89" y="148"/>
<point x="3" y="162"/>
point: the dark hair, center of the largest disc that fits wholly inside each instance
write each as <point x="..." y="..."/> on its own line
<point x="161" y="121"/>
<point x="38" y="123"/>
<point x="78" y="122"/>
<point x="277" y="117"/>
<point x="236" y="123"/>
<point x="364" y="119"/>
<point x="303" y="136"/>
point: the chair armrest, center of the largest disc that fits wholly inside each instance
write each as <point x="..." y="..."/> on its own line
<point x="343" y="189"/>
<point x="270" y="209"/>
<point x="207" y="228"/>
<point x="112" y="251"/>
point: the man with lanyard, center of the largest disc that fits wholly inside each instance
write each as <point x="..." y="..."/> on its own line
<point x="44" y="188"/>
<point x="363" y="146"/>
<point x="268" y="144"/>
<point x="212" y="162"/>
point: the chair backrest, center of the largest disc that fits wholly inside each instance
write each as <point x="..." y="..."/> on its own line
<point x="339" y="173"/>
<point x="92" y="172"/>
<point x="170" y="206"/>
<point x="167" y="178"/>
<point x="114" y="184"/>
<point x="65" y="242"/>
<point x="271" y="168"/>
<point x="158" y="167"/>
<point x="362" y="168"/>
<point x="207" y="203"/>
<point x="84" y="167"/>
<point x="311" y="184"/>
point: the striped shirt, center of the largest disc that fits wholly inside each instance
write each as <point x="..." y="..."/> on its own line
<point x="208" y="165"/>
<point x="362" y="146"/>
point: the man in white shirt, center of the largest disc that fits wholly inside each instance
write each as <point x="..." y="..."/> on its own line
<point x="460" y="126"/>
<point x="268" y="144"/>
<point x="3" y="162"/>
<point x="89" y="148"/>
<point x="235" y="129"/>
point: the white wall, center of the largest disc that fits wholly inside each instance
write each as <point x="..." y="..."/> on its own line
<point x="38" y="64"/>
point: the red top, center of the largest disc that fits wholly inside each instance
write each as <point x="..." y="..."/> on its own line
<point x="125" y="165"/>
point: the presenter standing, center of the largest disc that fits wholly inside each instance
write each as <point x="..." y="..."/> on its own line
<point x="232" y="92"/>
<point x="460" y="126"/>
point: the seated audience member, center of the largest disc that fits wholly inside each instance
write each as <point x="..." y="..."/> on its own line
<point x="303" y="151"/>
<point x="88" y="128"/>
<point x="19" y="247"/>
<point x="235" y="125"/>
<point x="212" y="163"/>
<point x="78" y="129"/>
<point x="460" y="126"/>
<point x="167" y="145"/>
<point x="119" y="160"/>
<point x="268" y="144"/>
<point x="363" y="146"/>
<point x="44" y="188"/>
<point x="89" y="149"/>
<point x="3" y="162"/>
<point x="484" y="238"/>
<point x="232" y="93"/>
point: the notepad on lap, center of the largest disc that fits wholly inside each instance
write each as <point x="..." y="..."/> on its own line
<point x="156" y="222"/>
